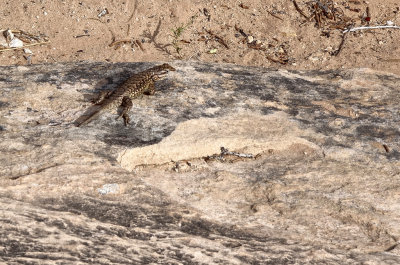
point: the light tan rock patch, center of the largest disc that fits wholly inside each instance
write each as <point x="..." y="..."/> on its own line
<point x="243" y="132"/>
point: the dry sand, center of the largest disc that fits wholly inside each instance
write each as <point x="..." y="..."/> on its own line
<point x="207" y="31"/>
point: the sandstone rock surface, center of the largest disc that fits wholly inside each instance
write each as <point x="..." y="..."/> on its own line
<point x="314" y="177"/>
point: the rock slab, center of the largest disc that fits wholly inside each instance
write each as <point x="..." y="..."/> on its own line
<point x="308" y="172"/>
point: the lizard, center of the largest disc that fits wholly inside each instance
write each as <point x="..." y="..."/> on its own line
<point x="133" y="87"/>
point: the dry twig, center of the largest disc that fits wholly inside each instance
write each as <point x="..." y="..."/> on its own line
<point x="241" y="31"/>
<point x="138" y="43"/>
<point x="225" y="152"/>
<point x="243" y="6"/>
<point x="119" y="42"/>
<point x="344" y="36"/>
<point x="336" y="53"/>
<point x="275" y="16"/>
<point x="28" y="39"/>
<point x="25" y="45"/>
<point x="299" y="10"/>
<point x="372" y="27"/>
<point x="218" y="38"/>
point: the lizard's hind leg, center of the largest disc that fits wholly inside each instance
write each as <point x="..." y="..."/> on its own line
<point x="126" y="106"/>
<point x="102" y="95"/>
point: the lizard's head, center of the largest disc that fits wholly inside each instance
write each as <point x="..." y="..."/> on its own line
<point x="162" y="70"/>
<point x="166" y="67"/>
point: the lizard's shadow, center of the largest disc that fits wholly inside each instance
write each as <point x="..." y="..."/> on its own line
<point x="106" y="84"/>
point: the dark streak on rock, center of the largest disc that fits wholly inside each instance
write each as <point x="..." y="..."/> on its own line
<point x="377" y="132"/>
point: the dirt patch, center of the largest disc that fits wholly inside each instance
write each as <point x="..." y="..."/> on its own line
<point x="281" y="34"/>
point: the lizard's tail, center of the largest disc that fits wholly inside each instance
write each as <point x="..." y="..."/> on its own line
<point x="87" y="117"/>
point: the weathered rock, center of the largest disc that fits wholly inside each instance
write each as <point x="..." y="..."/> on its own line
<point x="321" y="186"/>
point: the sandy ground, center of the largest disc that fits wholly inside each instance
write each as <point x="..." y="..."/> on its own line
<point x="272" y="34"/>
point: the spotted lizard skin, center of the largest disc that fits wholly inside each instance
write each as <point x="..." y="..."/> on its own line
<point x="136" y="85"/>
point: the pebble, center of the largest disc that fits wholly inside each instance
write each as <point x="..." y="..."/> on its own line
<point x="313" y="58"/>
<point x="16" y="43"/>
<point x="108" y="188"/>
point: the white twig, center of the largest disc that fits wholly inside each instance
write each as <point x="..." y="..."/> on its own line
<point x="373" y="27"/>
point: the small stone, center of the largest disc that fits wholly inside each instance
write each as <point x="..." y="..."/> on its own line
<point x="108" y="188"/>
<point x="250" y="39"/>
<point x="9" y="35"/>
<point x="16" y="43"/>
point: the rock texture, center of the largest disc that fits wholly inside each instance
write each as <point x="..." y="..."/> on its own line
<point x="311" y="174"/>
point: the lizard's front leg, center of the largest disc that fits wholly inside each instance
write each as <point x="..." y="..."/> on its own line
<point x="150" y="89"/>
<point x="126" y="106"/>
